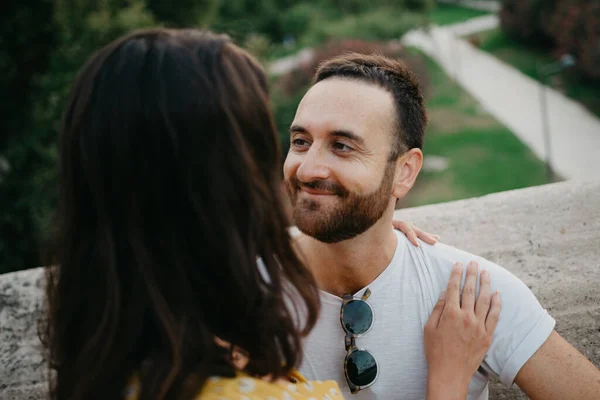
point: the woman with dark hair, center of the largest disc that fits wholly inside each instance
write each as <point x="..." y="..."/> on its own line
<point x="173" y="262"/>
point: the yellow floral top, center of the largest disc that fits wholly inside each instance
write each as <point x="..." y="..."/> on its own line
<point x="244" y="387"/>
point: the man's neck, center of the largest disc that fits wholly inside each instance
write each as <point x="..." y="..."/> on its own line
<point x="348" y="266"/>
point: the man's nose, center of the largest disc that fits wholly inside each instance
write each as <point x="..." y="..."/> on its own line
<point x="313" y="166"/>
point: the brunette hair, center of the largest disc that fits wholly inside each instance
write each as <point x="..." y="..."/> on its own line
<point x="171" y="229"/>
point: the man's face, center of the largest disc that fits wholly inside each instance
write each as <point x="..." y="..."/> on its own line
<point x="337" y="172"/>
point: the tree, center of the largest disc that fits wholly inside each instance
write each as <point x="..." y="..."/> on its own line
<point x="29" y="192"/>
<point x="24" y="54"/>
<point x="184" y="13"/>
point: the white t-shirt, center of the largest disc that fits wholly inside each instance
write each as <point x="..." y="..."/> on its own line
<point x="403" y="296"/>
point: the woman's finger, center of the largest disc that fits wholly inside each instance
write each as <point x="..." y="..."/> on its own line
<point x="485" y="296"/>
<point x="453" y="290"/>
<point x="494" y="314"/>
<point x="408" y="230"/>
<point x="426" y="237"/>
<point x="438" y="310"/>
<point x="468" y="291"/>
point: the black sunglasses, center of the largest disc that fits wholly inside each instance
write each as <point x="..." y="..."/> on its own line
<point x="360" y="366"/>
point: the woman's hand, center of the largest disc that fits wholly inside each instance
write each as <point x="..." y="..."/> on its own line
<point x="459" y="333"/>
<point x="412" y="233"/>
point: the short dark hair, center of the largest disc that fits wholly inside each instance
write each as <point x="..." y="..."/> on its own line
<point x="394" y="76"/>
<point x="170" y="184"/>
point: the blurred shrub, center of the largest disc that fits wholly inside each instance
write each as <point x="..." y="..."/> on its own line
<point x="419" y="5"/>
<point x="27" y="38"/>
<point x="379" y="24"/>
<point x="29" y="191"/>
<point x="298" y="19"/>
<point x="24" y="54"/>
<point x="258" y="45"/>
<point x="528" y="20"/>
<point x="576" y="28"/>
<point x="355" y="6"/>
<point x="185" y="13"/>
<point x="239" y="18"/>
<point x="559" y="26"/>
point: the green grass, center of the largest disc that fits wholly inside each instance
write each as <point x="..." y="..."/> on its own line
<point x="444" y="14"/>
<point x="526" y="60"/>
<point x="483" y="155"/>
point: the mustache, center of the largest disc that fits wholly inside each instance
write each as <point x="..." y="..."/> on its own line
<point x="325" y="186"/>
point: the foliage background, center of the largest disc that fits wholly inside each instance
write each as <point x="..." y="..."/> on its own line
<point x="44" y="42"/>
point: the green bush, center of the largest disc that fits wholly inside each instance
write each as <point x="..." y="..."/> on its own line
<point x="258" y="45"/>
<point x="559" y="27"/>
<point x="528" y="20"/>
<point x="419" y="5"/>
<point x="24" y="54"/>
<point x="299" y="18"/>
<point x="576" y="28"/>
<point x="379" y="24"/>
<point x="29" y="192"/>
<point x="239" y="18"/>
<point x="184" y="13"/>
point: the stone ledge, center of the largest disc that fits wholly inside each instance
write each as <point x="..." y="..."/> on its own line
<point x="548" y="236"/>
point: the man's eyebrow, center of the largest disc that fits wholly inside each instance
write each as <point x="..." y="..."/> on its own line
<point x="348" y="135"/>
<point x="298" y="129"/>
<point x="336" y="133"/>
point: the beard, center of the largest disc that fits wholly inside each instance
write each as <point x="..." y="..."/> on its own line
<point x="351" y="216"/>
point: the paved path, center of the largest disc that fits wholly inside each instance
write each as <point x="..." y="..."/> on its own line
<point x="514" y="99"/>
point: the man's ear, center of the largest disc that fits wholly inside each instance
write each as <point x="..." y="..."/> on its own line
<point x="408" y="166"/>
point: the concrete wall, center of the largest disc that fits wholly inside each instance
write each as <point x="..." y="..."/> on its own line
<point x="549" y="236"/>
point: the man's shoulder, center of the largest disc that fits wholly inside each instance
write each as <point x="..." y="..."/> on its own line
<point x="445" y="253"/>
<point x="435" y="263"/>
<point x="441" y="256"/>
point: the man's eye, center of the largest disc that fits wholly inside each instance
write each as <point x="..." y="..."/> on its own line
<point x="342" y="147"/>
<point x="300" y="142"/>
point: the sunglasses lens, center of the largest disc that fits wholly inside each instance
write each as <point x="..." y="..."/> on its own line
<point x="361" y="368"/>
<point x="357" y="317"/>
